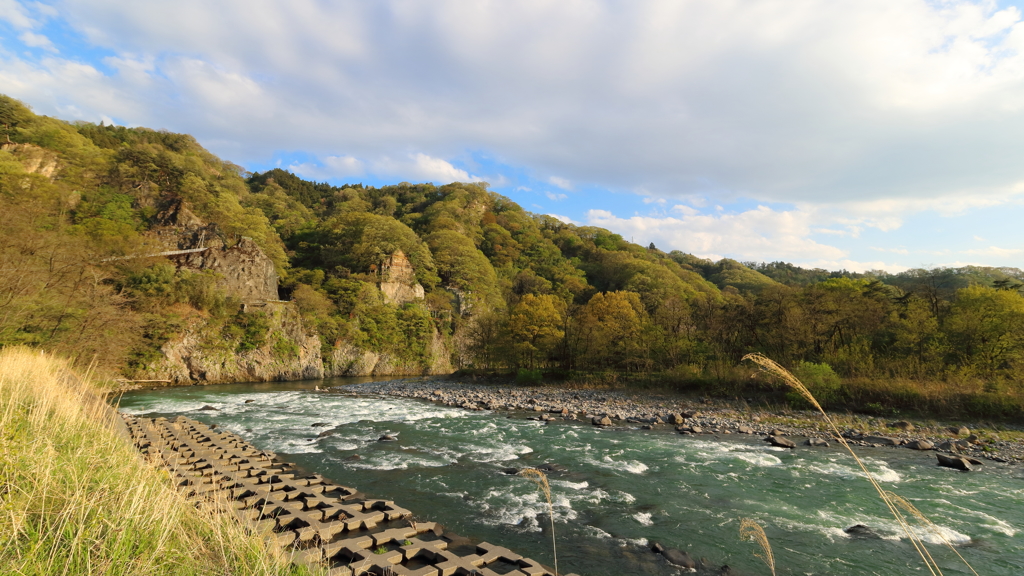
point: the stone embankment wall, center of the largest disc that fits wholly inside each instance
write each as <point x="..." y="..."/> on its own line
<point x="321" y="523"/>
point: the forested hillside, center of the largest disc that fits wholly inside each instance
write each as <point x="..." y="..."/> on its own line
<point x="417" y="278"/>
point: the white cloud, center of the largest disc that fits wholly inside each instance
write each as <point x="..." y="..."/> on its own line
<point x="555" y="197"/>
<point x="562" y="183"/>
<point x="855" y="265"/>
<point x="1005" y="253"/>
<point x="33" y="40"/>
<point x="859" y="114"/>
<point x="13" y="12"/>
<point x="824" y="102"/>
<point x="416" y="167"/>
<point x="903" y="251"/>
<point x="759" y="234"/>
<point x="564" y="219"/>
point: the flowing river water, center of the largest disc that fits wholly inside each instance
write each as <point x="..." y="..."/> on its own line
<point x="623" y="488"/>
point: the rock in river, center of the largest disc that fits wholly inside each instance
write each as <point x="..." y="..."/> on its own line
<point x="781" y="442"/>
<point x="679" y="558"/>
<point x="956" y="462"/>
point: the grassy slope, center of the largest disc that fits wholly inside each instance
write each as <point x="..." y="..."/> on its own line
<point x="75" y="498"/>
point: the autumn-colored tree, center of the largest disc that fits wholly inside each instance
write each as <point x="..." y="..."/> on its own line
<point x="535" y="329"/>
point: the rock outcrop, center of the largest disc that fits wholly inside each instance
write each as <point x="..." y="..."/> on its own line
<point x="243" y="269"/>
<point x="287" y="352"/>
<point x="349" y="360"/>
<point x="398" y="280"/>
<point x="36" y="160"/>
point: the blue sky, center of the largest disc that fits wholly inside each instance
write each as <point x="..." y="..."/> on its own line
<point x="857" y="134"/>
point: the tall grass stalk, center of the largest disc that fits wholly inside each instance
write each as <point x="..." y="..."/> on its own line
<point x="894" y="506"/>
<point x="541" y="480"/>
<point x="750" y="530"/>
<point x="76" y="498"/>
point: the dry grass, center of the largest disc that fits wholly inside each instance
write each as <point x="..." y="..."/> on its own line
<point x="896" y="506"/>
<point x="750" y="530"/>
<point x="76" y="498"/>
<point x="541" y="480"/>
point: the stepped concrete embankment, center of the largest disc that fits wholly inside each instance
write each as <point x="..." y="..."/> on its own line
<point x="319" y="522"/>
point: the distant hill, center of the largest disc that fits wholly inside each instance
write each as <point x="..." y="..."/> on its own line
<point x="144" y="251"/>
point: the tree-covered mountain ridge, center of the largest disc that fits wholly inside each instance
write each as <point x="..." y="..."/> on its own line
<point x="418" y="278"/>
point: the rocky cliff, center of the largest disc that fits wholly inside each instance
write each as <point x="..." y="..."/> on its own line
<point x="243" y="269"/>
<point x="348" y="360"/>
<point x="398" y="280"/>
<point x="202" y="354"/>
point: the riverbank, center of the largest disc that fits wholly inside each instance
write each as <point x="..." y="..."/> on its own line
<point x="706" y="416"/>
<point x="78" y="499"/>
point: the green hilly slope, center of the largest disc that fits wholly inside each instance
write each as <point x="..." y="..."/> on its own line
<point x="417" y="278"/>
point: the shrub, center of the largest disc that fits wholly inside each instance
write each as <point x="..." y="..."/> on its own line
<point x="820" y="379"/>
<point x="527" y="376"/>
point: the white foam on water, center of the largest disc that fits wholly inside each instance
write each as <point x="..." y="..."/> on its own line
<point x="641" y="542"/>
<point x="885" y="528"/>
<point x="499" y="453"/>
<point x="946" y="488"/>
<point x="623" y="497"/>
<point x="572" y="485"/>
<point x="631" y="466"/>
<point x="992" y="523"/>
<point x="879" y="470"/>
<point x="396" y="461"/>
<point x="509" y="508"/>
<point x="643" y="518"/>
<point x="759" y="459"/>
<point x="595" y="532"/>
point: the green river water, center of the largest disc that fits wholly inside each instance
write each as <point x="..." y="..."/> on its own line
<point x="624" y="488"/>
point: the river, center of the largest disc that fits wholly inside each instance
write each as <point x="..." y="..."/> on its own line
<point x="624" y="488"/>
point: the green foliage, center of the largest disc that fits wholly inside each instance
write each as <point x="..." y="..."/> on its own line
<point x="820" y="380"/>
<point x="528" y="377"/>
<point x="249" y="329"/>
<point x="504" y="289"/>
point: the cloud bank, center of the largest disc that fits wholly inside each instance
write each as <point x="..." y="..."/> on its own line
<point x="875" y="109"/>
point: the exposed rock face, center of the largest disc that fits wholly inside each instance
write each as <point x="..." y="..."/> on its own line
<point x="349" y="360"/>
<point x="36" y="160"/>
<point x="398" y="280"/>
<point x="245" y="271"/>
<point x="288" y="353"/>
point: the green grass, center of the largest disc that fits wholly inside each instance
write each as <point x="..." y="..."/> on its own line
<point x="76" y="498"/>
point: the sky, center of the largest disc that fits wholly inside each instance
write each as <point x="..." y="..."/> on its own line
<point x="841" y="134"/>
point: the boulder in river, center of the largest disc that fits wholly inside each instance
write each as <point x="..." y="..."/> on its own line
<point x="679" y="558"/>
<point x="744" y="429"/>
<point x="602" y="421"/>
<point x="676" y="419"/>
<point x="920" y="445"/>
<point x="208" y="407"/>
<point x="318" y="424"/>
<point x="781" y="442"/>
<point x="249" y="401"/>
<point x="881" y="440"/>
<point x="387" y="438"/>
<point x="861" y="531"/>
<point x="955" y="462"/>
<point x="552" y="467"/>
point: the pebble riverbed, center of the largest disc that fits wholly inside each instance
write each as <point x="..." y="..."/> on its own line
<point x="687" y="415"/>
